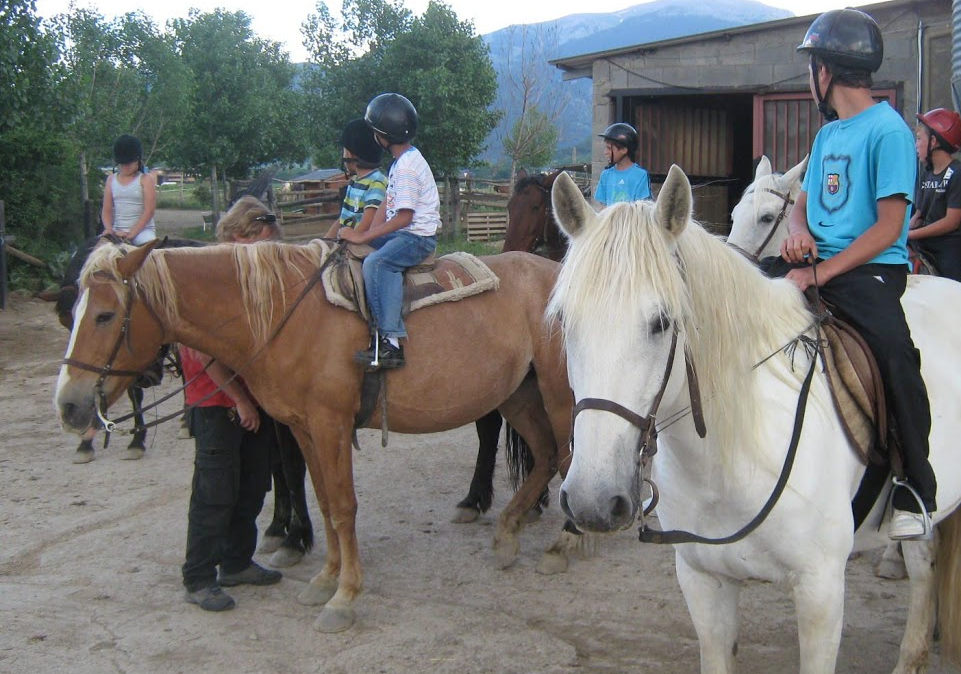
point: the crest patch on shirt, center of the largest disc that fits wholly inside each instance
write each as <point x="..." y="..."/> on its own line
<point x="837" y="182"/>
<point x="834" y="183"/>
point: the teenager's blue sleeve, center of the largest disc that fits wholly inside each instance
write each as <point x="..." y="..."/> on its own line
<point x="601" y="194"/>
<point x="897" y="165"/>
<point x="644" y="186"/>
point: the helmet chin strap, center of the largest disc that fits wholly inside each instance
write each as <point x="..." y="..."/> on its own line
<point x="829" y="113"/>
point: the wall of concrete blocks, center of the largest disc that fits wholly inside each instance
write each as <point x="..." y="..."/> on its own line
<point x="765" y="61"/>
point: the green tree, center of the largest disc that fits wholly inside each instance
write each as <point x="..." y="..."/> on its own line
<point x="532" y="140"/>
<point x="435" y="60"/>
<point x="27" y="58"/>
<point x="243" y="109"/>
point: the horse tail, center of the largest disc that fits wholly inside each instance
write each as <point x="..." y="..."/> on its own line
<point x="949" y="587"/>
<point x="520" y="462"/>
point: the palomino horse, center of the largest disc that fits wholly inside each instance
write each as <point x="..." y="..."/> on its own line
<point x="465" y="358"/>
<point x="641" y="283"/>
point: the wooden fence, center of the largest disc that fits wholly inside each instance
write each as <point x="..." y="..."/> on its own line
<point x="486" y="226"/>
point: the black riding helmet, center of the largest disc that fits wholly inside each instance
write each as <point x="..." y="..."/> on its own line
<point x="126" y="149"/>
<point x="392" y="116"/>
<point x="848" y="38"/>
<point x="849" y="41"/>
<point x="624" y="135"/>
<point x="358" y="138"/>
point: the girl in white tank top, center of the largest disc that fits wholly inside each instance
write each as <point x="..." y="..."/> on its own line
<point x="130" y="196"/>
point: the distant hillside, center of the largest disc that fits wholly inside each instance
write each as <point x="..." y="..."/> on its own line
<point x="588" y="33"/>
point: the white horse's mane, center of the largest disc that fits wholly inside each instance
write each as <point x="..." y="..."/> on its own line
<point x="730" y="314"/>
<point x="262" y="269"/>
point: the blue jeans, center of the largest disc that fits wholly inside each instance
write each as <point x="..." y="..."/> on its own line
<point x="384" y="277"/>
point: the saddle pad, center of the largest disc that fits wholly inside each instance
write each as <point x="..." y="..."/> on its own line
<point x="856" y="390"/>
<point x="453" y="277"/>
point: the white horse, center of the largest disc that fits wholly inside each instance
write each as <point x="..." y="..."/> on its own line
<point x="759" y="220"/>
<point x="641" y="276"/>
<point x="759" y="224"/>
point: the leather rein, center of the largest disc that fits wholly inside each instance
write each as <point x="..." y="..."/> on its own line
<point x="646" y="448"/>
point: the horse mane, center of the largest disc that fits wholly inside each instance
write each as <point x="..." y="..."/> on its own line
<point x="524" y="183"/>
<point x="263" y="269"/>
<point x="704" y="286"/>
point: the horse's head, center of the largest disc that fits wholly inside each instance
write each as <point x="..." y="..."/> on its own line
<point x="759" y="220"/>
<point x="528" y="211"/>
<point x="115" y="336"/>
<point x="621" y="301"/>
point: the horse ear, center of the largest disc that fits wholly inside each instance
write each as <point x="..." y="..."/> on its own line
<point x="571" y="209"/>
<point x="674" y="201"/>
<point x="792" y="179"/>
<point x="763" y="167"/>
<point x="134" y="259"/>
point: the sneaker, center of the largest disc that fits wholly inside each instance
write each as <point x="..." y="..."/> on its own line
<point x="210" y="599"/>
<point x="906" y="525"/>
<point x="390" y="356"/>
<point x="252" y="575"/>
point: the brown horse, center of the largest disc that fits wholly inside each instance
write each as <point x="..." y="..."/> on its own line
<point x="531" y="226"/>
<point x="465" y="358"/>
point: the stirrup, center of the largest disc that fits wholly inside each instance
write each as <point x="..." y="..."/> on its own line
<point x="925" y="517"/>
<point x="375" y="364"/>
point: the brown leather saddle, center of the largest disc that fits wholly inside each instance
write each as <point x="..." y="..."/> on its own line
<point x="858" y="394"/>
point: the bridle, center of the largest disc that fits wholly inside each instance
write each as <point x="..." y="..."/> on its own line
<point x="646" y="448"/>
<point x="786" y="201"/>
<point x="107" y="370"/>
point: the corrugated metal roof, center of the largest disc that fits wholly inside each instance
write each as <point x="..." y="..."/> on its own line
<point x="318" y="174"/>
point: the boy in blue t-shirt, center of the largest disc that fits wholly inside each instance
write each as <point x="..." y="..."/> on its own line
<point x="852" y="216"/>
<point x="368" y="185"/>
<point x="623" y="179"/>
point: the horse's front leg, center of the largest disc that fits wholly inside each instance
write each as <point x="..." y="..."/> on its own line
<point x="323" y="585"/>
<point x="712" y="602"/>
<point x="819" y="600"/>
<point x="330" y="437"/>
<point x="919" y="558"/>
<point x="137" y="446"/>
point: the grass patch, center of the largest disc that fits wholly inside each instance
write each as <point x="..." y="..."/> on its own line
<point x="445" y="246"/>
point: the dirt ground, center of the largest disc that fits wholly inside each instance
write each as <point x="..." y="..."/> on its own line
<point x="90" y="568"/>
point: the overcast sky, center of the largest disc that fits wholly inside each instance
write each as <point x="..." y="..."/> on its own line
<point x="281" y="22"/>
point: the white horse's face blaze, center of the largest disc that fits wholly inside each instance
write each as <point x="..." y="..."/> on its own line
<point x="617" y="350"/>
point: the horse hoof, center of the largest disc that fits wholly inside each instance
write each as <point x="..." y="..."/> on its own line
<point x="891" y="569"/>
<point x="332" y="620"/>
<point x="552" y="563"/>
<point x="316" y="595"/>
<point x="285" y="557"/>
<point x="83" y="456"/>
<point x="270" y="544"/>
<point x="465" y="515"/>
<point x="506" y="552"/>
<point x="532" y="515"/>
<point x="133" y="454"/>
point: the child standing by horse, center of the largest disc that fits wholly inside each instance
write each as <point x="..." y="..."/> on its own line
<point x="936" y="223"/>
<point x="235" y="440"/>
<point x="130" y="196"/>
<point x="623" y="179"/>
<point x="367" y="187"/>
<point x="404" y="229"/>
<point x="852" y="216"/>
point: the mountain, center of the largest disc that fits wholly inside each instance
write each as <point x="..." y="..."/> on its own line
<point x="588" y="33"/>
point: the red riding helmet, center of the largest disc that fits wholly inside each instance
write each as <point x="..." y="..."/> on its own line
<point x="945" y="125"/>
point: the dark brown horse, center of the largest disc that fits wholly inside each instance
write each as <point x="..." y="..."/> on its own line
<point x="531" y="226"/>
<point x="491" y="351"/>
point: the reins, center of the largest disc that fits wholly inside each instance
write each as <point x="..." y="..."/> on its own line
<point x="678" y="536"/>
<point x="108" y="371"/>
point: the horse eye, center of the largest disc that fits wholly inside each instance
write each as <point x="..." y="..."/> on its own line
<point x="105" y="317"/>
<point x="767" y="219"/>
<point x="660" y="324"/>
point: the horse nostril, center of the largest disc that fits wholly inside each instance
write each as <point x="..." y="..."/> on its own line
<point x="68" y="410"/>
<point x="565" y="508"/>
<point x="621" y="509"/>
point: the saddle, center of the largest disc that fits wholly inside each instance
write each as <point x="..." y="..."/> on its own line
<point x="858" y="395"/>
<point x="449" y="278"/>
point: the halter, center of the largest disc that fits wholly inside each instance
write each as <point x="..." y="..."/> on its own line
<point x="647" y="423"/>
<point x="107" y="369"/>
<point x="786" y="201"/>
